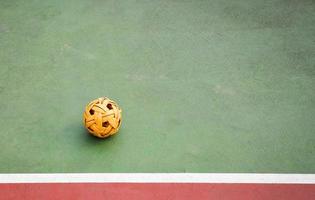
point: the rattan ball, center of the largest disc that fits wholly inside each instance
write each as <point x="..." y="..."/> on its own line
<point x="102" y="117"/>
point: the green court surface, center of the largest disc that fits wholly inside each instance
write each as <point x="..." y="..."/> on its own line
<point x="205" y="86"/>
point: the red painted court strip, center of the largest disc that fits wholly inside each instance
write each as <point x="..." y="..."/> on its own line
<point x="141" y="191"/>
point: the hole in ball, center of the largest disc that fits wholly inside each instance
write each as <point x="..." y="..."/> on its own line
<point x="109" y="106"/>
<point x="91" y="112"/>
<point x="105" y="124"/>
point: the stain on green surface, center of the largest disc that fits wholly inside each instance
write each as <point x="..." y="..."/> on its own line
<point x="205" y="86"/>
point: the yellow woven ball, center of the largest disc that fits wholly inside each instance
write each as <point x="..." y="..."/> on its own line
<point x="102" y="117"/>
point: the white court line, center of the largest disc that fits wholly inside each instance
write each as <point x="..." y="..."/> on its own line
<point x="159" y="178"/>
